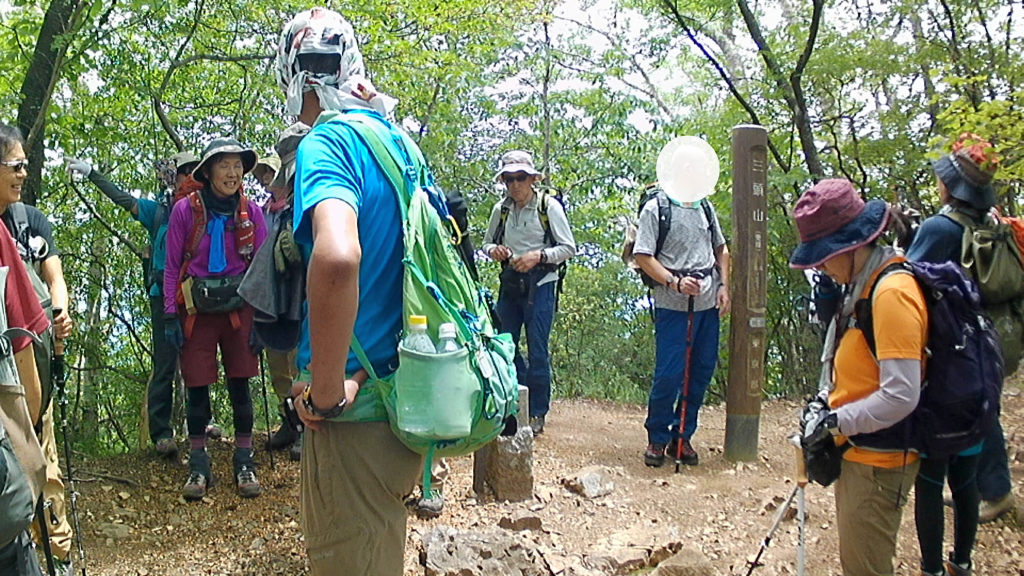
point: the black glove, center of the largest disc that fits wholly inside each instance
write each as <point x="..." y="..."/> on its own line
<point x="172" y="331"/>
<point x="823" y="458"/>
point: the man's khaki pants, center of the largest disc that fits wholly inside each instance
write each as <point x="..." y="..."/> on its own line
<point x="56" y="517"/>
<point x="355" y="477"/>
<point x="869" y="506"/>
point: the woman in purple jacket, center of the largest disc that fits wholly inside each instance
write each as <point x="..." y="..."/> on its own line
<point x="211" y="237"/>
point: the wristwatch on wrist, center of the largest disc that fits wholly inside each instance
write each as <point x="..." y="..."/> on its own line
<point x="332" y="412"/>
<point x="832" y="423"/>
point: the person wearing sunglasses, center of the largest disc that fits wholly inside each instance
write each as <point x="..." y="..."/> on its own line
<point x="529" y="235"/>
<point x="33" y="237"/>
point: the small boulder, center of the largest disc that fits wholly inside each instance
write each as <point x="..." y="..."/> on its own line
<point x="114" y="531"/>
<point x="690" y="561"/>
<point x="591" y="482"/>
<point x="520" y="522"/>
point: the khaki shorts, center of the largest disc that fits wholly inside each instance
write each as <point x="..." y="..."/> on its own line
<point x="355" y="477"/>
<point x="869" y="517"/>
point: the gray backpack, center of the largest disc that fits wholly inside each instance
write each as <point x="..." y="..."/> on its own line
<point x="22" y="466"/>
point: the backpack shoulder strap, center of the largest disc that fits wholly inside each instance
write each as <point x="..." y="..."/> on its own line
<point x="19" y="216"/>
<point x="195" y="237"/>
<point x="543" y="201"/>
<point x="863" y="307"/>
<point x="664" y="220"/>
<point x="499" y="232"/>
<point x="709" y="215"/>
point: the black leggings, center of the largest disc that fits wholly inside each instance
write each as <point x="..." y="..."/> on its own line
<point x="198" y="413"/>
<point x="929" y="513"/>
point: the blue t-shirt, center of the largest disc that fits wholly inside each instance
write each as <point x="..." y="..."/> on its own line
<point x="333" y="163"/>
<point x="157" y="237"/>
<point x="938" y="240"/>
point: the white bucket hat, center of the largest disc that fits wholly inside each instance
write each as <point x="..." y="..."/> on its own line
<point x="517" y="161"/>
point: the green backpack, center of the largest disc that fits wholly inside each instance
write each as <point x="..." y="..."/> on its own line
<point x="436" y="284"/>
<point x="991" y="257"/>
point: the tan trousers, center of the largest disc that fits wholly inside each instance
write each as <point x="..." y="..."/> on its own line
<point x="868" y="515"/>
<point x="354" y="481"/>
<point x="438" y="474"/>
<point x="53" y="492"/>
<point x="282" y="371"/>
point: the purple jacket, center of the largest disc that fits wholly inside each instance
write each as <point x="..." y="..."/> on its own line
<point x="179" y="229"/>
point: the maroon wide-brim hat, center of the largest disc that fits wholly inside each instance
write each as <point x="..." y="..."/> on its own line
<point x="833" y="219"/>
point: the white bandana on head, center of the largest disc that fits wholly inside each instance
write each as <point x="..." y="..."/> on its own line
<point x="323" y="31"/>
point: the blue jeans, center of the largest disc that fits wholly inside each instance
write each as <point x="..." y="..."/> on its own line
<point x="535" y="311"/>
<point x="994" y="465"/>
<point x="670" y="365"/>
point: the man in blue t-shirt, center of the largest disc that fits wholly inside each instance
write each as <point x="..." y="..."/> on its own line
<point x="153" y="215"/>
<point x="355" y="472"/>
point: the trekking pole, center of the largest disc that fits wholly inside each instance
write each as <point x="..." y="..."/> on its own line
<point x="686" y="384"/>
<point x="801" y="505"/>
<point x="62" y="400"/>
<point x="266" y="410"/>
<point x="44" y="536"/>
<point x="771" y="533"/>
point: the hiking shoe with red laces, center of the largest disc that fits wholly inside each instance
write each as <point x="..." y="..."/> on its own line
<point x="654" y="456"/>
<point x="248" y="485"/>
<point x="245" y="474"/>
<point x="689" y="455"/>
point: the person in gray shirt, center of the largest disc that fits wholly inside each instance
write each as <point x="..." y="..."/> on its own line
<point x="529" y="234"/>
<point x="692" y="272"/>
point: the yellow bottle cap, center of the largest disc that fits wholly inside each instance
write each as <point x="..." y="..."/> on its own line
<point x="418" y="321"/>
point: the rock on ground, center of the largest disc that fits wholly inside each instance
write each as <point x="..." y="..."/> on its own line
<point x="452" y="552"/>
<point x="591" y="482"/>
<point x="688" y="562"/>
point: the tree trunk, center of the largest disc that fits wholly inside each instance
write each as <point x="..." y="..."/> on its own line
<point x="37" y="88"/>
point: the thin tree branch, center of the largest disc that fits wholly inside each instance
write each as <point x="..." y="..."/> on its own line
<point x="680" y="19"/>
<point x="88" y="205"/>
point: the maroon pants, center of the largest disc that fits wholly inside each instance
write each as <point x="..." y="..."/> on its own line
<point x="210" y="331"/>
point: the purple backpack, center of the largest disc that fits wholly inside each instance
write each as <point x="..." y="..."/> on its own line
<point x="964" y="373"/>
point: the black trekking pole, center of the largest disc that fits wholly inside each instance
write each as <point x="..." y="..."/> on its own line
<point x="686" y="384"/>
<point x="266" y="409"/>
<point x="62" y="399"/>
<point x="44" y="536"/>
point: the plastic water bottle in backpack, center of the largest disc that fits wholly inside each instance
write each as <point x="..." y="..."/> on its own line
<point x="415" y="399"/>
<point x="446" y="339"/>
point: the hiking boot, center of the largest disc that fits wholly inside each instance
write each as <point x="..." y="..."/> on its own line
<point x="213" y="431"/>
<point x="431" y="506"/>
<point x="282" y="439"/>
<point x="166" y="448"/>
<point x="991" y="510"/>
<point x="689" y="455"/>
<point x="245" y="474"/>
<point x="199" y="475"/>
<point x="295" y="452"/>
<point x="954" y="569"/>
<point x="537" y="425"/>
<point x="654" y="456"/>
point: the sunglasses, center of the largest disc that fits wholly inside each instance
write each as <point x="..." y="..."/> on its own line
<point x="520" y="178"/>
<point x="16" y="165"/>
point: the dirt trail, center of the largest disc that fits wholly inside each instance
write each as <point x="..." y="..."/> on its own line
<point x="718" y="506"/>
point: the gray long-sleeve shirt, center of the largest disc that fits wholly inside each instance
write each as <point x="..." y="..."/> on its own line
<point x="525" y="233"/>
<point x="898" y="393"/>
